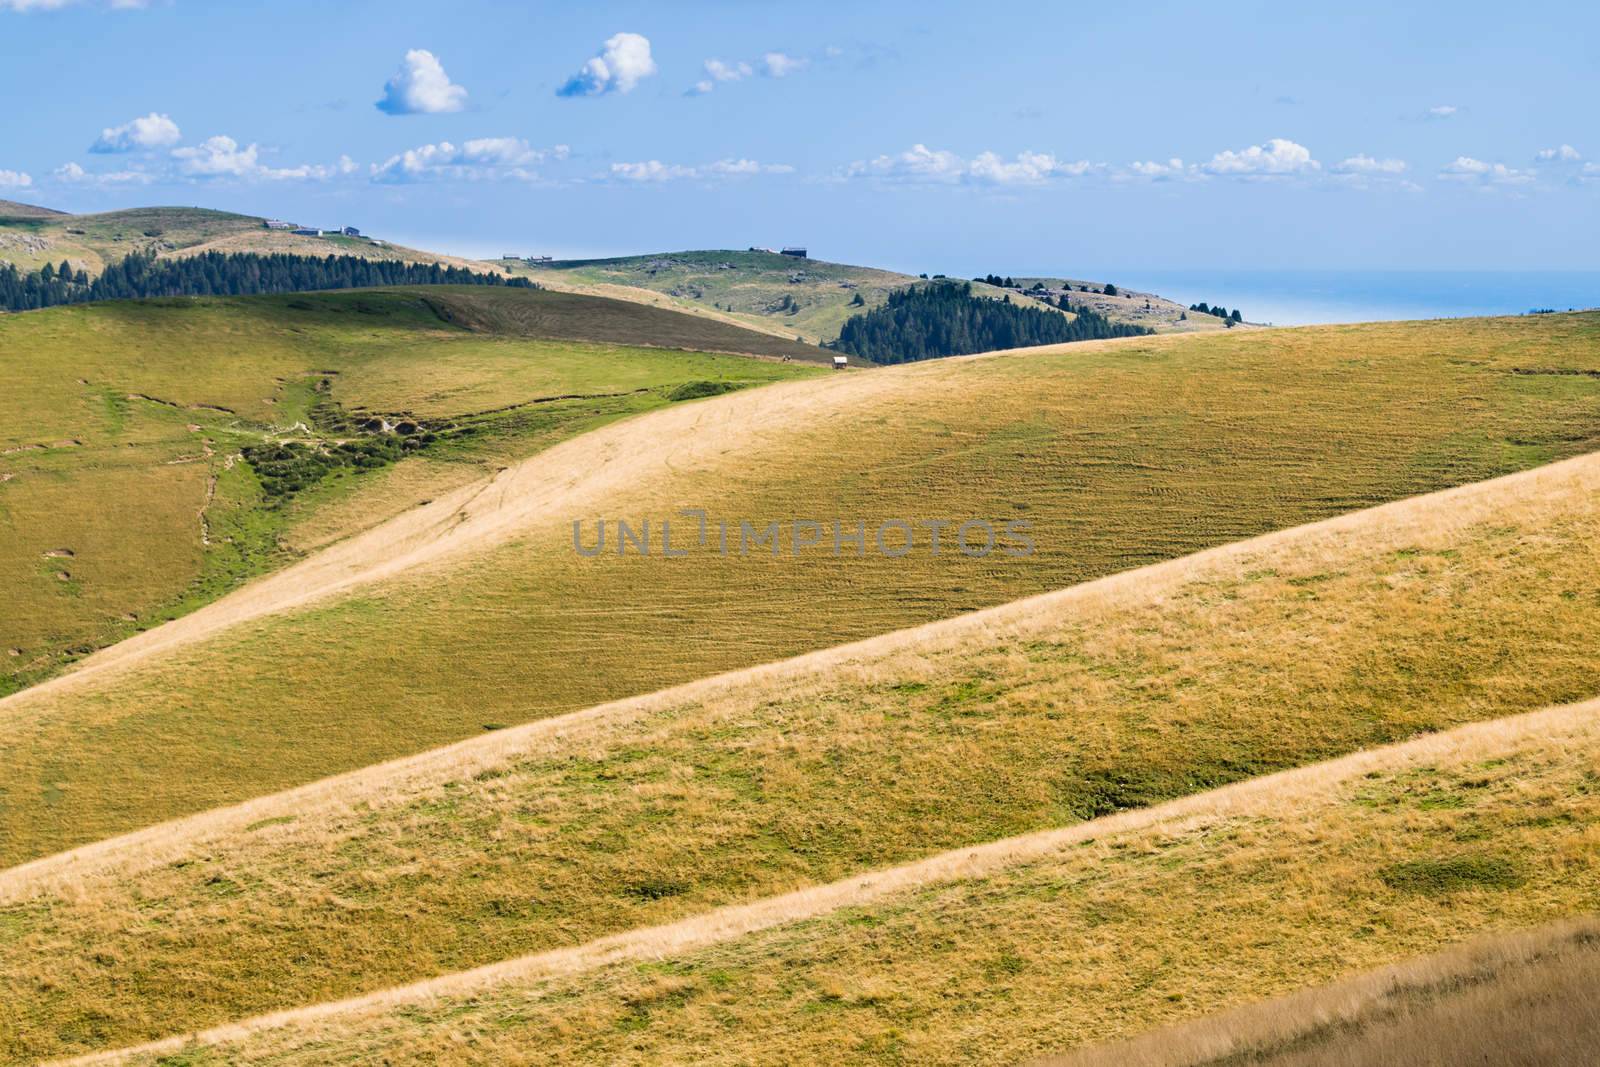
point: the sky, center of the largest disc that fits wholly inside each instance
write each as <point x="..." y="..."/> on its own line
<point x="1070" y="138"/>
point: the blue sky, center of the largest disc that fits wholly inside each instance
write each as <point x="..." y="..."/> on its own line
<point x="957" y="137"/>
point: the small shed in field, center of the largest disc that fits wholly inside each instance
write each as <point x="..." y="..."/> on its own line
<point x="840" y="362"/>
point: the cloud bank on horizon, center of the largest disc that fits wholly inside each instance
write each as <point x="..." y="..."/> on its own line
<point x="900" y="106"/>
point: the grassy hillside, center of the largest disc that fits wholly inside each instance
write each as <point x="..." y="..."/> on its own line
<point x="1121" y="694"/>
<point x="10" y="209"/>
<point x="809" y="298"/>
<point x="90" y="242"/>
<point x="30" y="237"/>
<point x="132" y="486"/>
<point x="478" y="610"/>
<point x="1071" y="938"/>
<point x="1524" y="999"/>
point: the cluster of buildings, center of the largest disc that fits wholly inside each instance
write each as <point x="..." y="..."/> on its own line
<point x="309" y="231"/>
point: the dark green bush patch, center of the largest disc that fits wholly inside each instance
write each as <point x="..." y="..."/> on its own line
<point x="1436" y="877"/>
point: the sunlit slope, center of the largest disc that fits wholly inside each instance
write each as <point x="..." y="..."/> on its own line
<point x="1123" y="693"/>
<point x="1524" y="999"/>
<point x="1118" y="454"/>
<point x="126" y="494"/>
<point x="998" y="955"/>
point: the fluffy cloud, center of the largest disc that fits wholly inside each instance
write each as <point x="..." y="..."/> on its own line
<point x="1443" y="111"/>
<point x="779" y="65"/>
<point x="1564" y="154"/>
<point x="480" y="159"/>
<point x="14" y="179"/>
<point x="149" y="131"/>
<point x="717" y="71"/>
<point x="919" y="163"/>
<point x="923" y="165"/>
<point x="1275" y="159"/>
<point x="72" y="174"/>
<point x="1476" y="171"/>
<point x="1155" y="170"/>
<point x="653" y="170"/>
<point x="1364" y="164"/>
<point x="1028" y="168"/>
<point x="770" y="65"/>
<point x="223" y="157"/>
<point x="421" y="87"/>
<point x="623" y="62"/>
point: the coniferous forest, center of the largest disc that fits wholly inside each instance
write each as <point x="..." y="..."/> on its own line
<point x="219" y="274"/>
<point x="945" y="319"/>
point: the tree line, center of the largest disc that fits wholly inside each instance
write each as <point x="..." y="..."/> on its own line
<point x="1219" y="311"/>
<point x="945" y="319"/>
<point x="224" y="274"/>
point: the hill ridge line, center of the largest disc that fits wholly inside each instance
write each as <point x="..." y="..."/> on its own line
<point x="731" y="921"/>
<point x="155" y="844"/>
<point x="473" y="518"/>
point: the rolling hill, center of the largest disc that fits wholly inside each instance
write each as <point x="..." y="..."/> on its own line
<point x="698" y="819"/>
<point x="810" y="298"/>
<point x="286" y="682"/>
<point x="797" y="299"/>
<point x="1116" y="695"/>
<point x="994" y="954"/>
<point x="149" y="403"/>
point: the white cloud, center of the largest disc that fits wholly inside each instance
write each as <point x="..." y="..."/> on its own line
<point x="71" y="173"/>
<point x="1155" y="170"/>
<point x="15" y="179"/>
<point x="480" y="159"/>
<point x="923" y="165"/>
<point x="1277" y="158"/>
<point x="1028" y="168"/>
<point x="718" y="71"/>
<point x="1564" y="154"/>
<point x="623" y="62"/>
<point x="421" y="87"/>
<point x="1443" y="111"/>
<point x="223" y="157"/>
<point x="148" y="131"/>
<point x="727" y="72"/>
<point x="1366" y="165"/>
<point x="653" y="170"/>
<point x="779" y="65"/>
<point x="55" y="5"/>
<point x="770" y="65"/>
<point x="919" y="163"/>
<point x="1467" y="169"/>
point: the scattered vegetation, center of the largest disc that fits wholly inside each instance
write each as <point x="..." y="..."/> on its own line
<point x="222" y="468"/>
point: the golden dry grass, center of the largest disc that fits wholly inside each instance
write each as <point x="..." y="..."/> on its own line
<point x="1524" y="999"/>
<point x="1074" y="937"/>
<point x="121" y="427"/>
<point x="1469" y="605"/>
<point x="1120" y="455"/>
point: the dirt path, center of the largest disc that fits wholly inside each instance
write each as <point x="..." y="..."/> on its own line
<point x="1272" y="794"/>
<point x="1414" y="519"/>
<point x="561" y="482"/>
